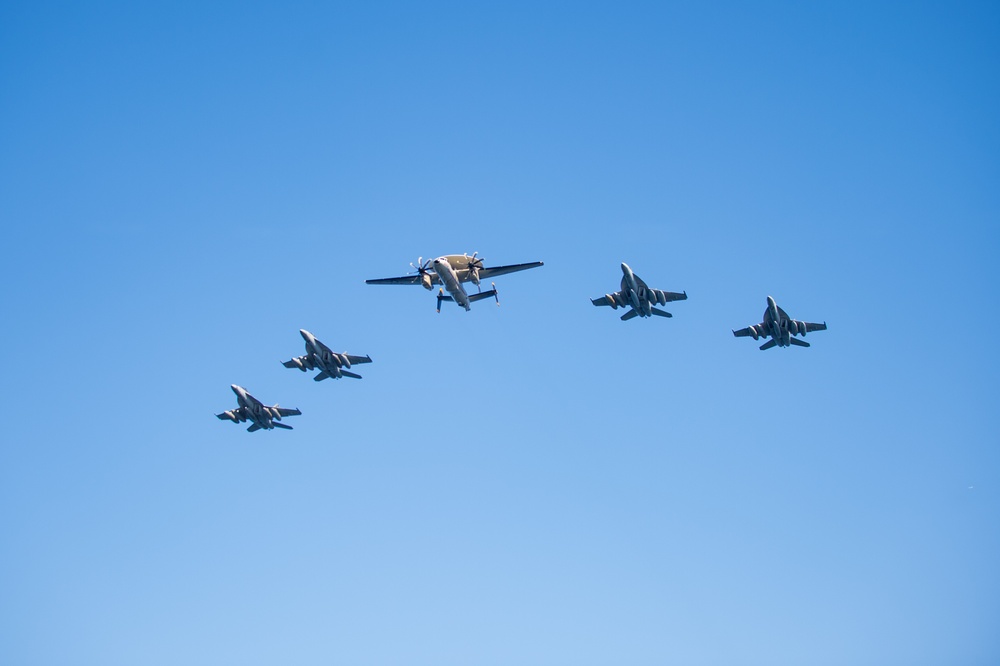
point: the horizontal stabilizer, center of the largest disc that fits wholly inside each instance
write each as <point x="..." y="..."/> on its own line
<point x="660" y="313"/>
<point x="767" y="345"/>
<point x="281" y="425"/>
<point x="483" y="294"/>
<point x="631" y="314"/>
<point x="798" y="343"/>
<point x="320" y="377"/>
<point x="350" y="374"/>
<point x="253" y="428"/>
<point x="442" y="297"/>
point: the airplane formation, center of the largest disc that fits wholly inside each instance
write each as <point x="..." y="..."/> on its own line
<point x="451" y="272"/>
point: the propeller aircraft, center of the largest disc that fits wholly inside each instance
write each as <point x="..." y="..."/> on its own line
<point x="451" y="270"/>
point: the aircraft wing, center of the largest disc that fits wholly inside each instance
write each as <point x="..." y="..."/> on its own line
<point x="745" y="332"/>
<point x="358" y="359"/>
<point x="674" y="296"/>
<point x="406" y="279"/>
<point x="285" y="411"/>
<point x="305" y="360"/>
<point x="232" y="414"/>
<point x="603" y="300"/>
<point x="487" y="273"/>
<point x="815" y="327"/>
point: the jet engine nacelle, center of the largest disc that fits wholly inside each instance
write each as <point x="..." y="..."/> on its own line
<point x="425" y="281"/>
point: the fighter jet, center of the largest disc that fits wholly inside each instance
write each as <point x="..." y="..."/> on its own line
<point x="252" y="409"/>
<point x="452" y="270"/>
<point x="637" y="295"/>
<point x="330" y="363"/>
<point x="780" y="328"/>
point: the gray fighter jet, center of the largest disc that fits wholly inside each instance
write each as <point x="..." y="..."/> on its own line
<point x="451" y="270"/>
<point x="252" y="409"/>
<point x="780" y="328"/>
<point x="638" y="296"/>
<point x="330" y="363"/>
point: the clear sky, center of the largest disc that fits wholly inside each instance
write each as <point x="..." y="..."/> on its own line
<point x="183" y="186"/>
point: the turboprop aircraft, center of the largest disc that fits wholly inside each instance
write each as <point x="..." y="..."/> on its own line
<point x="252" y="409"/>
<point x="637" y="295"/>
<point x="451" y="270"/>
<point x="780" y="328"/>
<point x="329" y="362"/>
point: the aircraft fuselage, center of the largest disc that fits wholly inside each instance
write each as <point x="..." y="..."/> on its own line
<point x="326" y="359"/>
<point x="253" y="408"/>
<point x="449" y="278"/>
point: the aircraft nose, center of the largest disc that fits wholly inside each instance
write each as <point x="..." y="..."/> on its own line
<point x="305" y="334"/>
<point x="770" y="302"/>
<point x="236" y="389"/>
<point x="625" y="268"/>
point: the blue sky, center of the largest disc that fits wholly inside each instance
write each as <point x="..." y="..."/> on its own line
<point x="183" y="187"/>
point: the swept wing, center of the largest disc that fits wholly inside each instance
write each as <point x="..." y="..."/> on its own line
<point x="746" y="332"/>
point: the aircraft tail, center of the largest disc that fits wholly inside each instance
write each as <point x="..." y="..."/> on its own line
<point x="350" y="374"/>
<point x="660" y="313"/>
<point x="442" y="297"/>
<point x="253" y="428"/>
<point x="486" y="294"/>
<point x="281" y="425"/>
<point x="798" y="343"/>
<point x="631" y="314"/>
<point x="320" y="377"/>
<point x="767" y="345"/>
